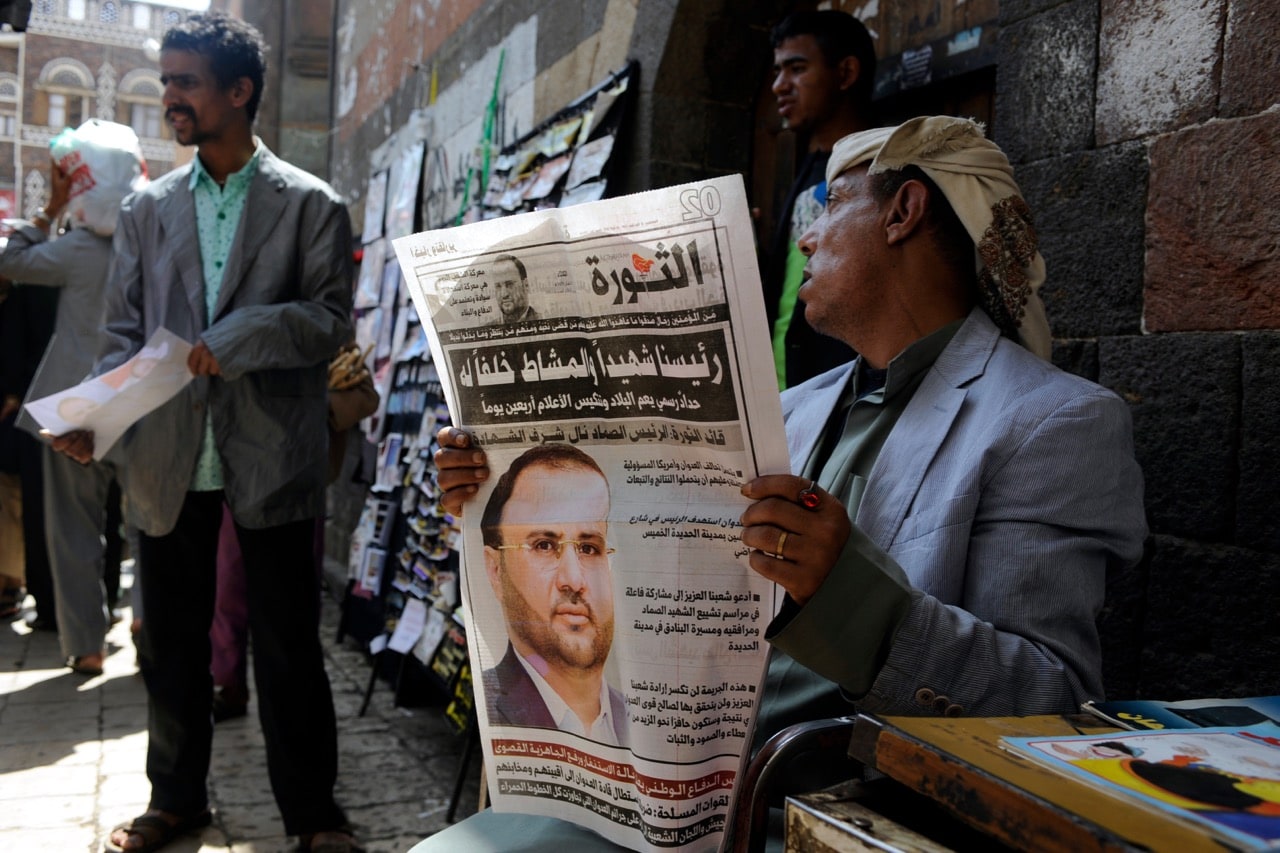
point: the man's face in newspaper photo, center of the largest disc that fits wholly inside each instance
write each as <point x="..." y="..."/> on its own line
<point x="511" y="289"/>
<point x="74" y="410"/>
<point x="551" y="569"/>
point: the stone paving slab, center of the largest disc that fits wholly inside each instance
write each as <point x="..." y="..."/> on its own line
<point x="49" y="781"/>
<point x="68" y="838"/>
<point x="73" y="755"/>
<point x="123" y="795"/>
<point x="25" y="754"/>
<point x="47" y="812"/>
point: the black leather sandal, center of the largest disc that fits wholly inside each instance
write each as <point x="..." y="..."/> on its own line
<point x="156" y="832"/>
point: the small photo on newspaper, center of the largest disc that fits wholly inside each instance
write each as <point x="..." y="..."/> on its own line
<point x="612" y="360"/>
<point x="111" y="403"/>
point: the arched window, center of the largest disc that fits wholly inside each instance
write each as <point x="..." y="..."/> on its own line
<point x="46" y="7"/>
<point x="141" y="16"/>
<point x="109" y="13"/>
<point x="9" y="91"/>
<point x="138" y="104"/>
<point x="76" y="9"/>
<point x="63" y="92"/>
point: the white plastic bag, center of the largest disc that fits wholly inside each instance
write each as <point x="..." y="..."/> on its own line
<point x="104" y="162"/>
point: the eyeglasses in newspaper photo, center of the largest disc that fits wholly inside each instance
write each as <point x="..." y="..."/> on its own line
<point x="544" y="551"/>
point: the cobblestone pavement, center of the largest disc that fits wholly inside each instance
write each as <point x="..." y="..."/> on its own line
<point x="73" y="753"/>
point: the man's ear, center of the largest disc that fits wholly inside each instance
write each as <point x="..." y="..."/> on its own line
<point x="240" y="91"/>
<point x="907" y="212"/>
<point x="492" y="566"/>
<point x="847" y="71"/>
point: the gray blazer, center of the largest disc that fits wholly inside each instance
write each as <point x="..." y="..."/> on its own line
<point x="76" y="263"/>
<point x="1005" y="493"/>
<point x="283" y="311"/>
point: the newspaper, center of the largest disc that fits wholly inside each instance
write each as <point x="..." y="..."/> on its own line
<point x="111" y="403"/>
<point x="640" y="341"/>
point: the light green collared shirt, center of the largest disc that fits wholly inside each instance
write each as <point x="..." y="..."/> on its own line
<point x="218" y="213"/>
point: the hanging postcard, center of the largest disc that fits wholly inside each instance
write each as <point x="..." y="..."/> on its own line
<point x="375" y="208"/>
<point x="403" y="187"/>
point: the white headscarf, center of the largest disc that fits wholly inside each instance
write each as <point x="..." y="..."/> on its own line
<point x="977" y="180"/>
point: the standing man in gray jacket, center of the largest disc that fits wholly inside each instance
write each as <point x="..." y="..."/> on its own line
<point x="249" y="258"/>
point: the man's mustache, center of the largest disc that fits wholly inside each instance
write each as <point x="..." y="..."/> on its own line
<point x="576" y="600"/>
<point x="183" y="111"/>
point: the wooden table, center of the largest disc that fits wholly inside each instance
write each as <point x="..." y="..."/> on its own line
<point x="959" y="763"/>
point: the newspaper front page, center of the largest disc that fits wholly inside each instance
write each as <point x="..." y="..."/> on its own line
<point x="616" y="354"/>
<point x="111" y="403"/>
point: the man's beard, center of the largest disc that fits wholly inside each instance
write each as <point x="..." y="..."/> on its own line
<point x="194" y="133"/>
<point x="585" y="648"/>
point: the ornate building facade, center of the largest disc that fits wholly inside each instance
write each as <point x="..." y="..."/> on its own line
<point x="77" y="60"/>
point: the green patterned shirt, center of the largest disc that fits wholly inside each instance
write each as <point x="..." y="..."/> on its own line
<point x="218" y="211"/>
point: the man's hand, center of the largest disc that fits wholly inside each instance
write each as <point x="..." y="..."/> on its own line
<point x="59" y="191"/>
<point x="9" y="406"/>
<point x="461" y="467"/>
<point x="78" y="444"/>
<point x="792" y="545"/>
<point x="201" y="361"/>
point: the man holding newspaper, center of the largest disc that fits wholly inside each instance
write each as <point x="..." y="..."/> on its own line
<point x="955" y="502"/>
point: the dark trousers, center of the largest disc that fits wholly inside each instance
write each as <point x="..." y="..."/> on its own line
<point x="39" y="574"/>
<point x="294" y="702"/>
<point x="230" y="633"/>
<point x="114" y="551"/>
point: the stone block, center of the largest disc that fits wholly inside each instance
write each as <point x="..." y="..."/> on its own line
<point x="364" y="22"/>
<point x="390" y="820"/>
<point x="1250" y="57"/>
<point x="253" y="822"/>
<point x="1212" y="221"/>
<point x="1015" y="10"/>
<point x="562" y="26"/>
<point x="46" y="812"/>
<point x="1212" y="624"/>
<point x="251" y="791"/>
<point x="1120" y="627"/>
<point x="63" y="838"/>
<point x="736" y="82"/>
<point x="666" y="174"/>
<point x="86" y="713"/>
<point x="357" y="790"/>
<point x="728" y="139"/>
<point x="1184" y="393"/>
<point x="126" y="793"/>
<point x="1157" y="66"/>
<point x="53" y="780"/>
<point x="1089" y="209"/>
<point x="1258" y="498"/>
<point x="1078" y="357"/>
<point x="17" y="756"/>
<point x="1044" y="89"/>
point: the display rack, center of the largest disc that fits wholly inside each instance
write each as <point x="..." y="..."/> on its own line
<point x="402" y="597"/>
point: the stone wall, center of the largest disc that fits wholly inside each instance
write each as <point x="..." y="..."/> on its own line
<point x="1145" y="140"/>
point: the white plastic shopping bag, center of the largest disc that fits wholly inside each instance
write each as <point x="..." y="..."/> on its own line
<point x="105" y="164"/>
